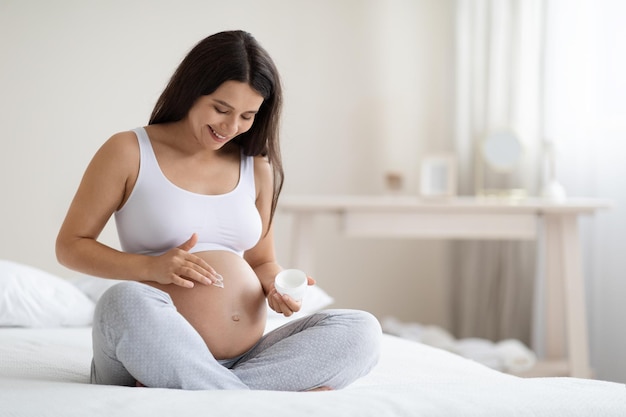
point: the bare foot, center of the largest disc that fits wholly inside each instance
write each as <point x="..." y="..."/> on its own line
<point x="324" y="388"/>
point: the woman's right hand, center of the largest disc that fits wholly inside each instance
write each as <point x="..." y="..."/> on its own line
<point x="179" y="267"/>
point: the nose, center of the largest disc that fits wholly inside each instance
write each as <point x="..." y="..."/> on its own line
<point x="229" y="126"/>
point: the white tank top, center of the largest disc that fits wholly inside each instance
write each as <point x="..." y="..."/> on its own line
<point x="159" y="215"/>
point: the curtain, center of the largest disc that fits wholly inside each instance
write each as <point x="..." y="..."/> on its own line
<point x="585" y="108"/>
<point x="498" y="85"/>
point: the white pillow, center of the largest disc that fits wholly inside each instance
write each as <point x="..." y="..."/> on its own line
<point x="94" y="287"/>
<point x="30" y="297"/>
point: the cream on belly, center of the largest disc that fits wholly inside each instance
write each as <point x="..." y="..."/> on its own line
<point x="229" y="319"/>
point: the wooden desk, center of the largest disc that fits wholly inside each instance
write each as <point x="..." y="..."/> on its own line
<point x="555" y="225"/>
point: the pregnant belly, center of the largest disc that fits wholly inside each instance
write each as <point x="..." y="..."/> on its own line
<point x="230" y="319"/>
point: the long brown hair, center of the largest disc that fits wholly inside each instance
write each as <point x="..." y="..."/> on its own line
<point x="230" y="56"/>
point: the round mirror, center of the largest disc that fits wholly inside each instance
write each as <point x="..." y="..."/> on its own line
<point x="502" y="150"/>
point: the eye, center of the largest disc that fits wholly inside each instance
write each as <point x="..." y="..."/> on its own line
<point x="246" y="117"/>
<point x="220" y="110"/>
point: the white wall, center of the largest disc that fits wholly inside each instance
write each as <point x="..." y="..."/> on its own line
<point x="367" y="84"/>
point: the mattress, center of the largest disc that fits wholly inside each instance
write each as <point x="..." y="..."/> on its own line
<point x="45" y="372"/>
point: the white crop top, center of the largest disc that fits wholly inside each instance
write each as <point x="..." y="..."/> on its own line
<point x="159" y="215"/>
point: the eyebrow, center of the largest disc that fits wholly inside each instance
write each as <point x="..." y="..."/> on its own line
<point x="225" y="104"/>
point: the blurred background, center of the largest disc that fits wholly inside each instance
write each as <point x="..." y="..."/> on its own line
<point x="371" y="87"/>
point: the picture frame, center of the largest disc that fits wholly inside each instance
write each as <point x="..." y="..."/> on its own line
<point x="438" y="176"/>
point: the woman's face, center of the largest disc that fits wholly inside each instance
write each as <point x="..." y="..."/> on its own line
<point x="227" y="112"/>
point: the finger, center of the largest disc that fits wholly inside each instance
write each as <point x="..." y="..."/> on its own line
<point x="311" y="281"/>
<point x="181" y="282"/>
<point x="280" y="306"/>
<point x="288" y="305"/>
<point x="206" y="272"/>
<point x="273" y="305"/>
<point x="190" y="243"/>
<point x="220" y="282"/>
<point x="292" y="304"/>
<point x="191" y="273"/>
<point x="203" y="267"/>
<point x="271" y="301"/>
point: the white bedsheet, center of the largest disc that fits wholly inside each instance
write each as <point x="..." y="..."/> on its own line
<point x="44" y="372"/>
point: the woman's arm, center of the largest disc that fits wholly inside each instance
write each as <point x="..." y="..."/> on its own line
<point x="105" y="186"/>
<point x="262" y="257"/>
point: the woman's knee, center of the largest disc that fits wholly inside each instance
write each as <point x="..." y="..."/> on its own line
<point x="359" y="339"/>
<point x="130" y="298"/>
<point x="362" y="323"/>
<point x="363" y="332"/>
<point x="119" y="294"/>
<point x="369" y="333"/>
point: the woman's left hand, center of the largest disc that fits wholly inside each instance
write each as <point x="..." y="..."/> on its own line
<point x="284" y="304"/>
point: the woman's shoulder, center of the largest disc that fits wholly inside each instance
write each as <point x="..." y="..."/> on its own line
<point x="121" y="142"/>
<point x="263" y="175"/>
<point x="120" y="149"/>
<point x="123" y="139"/>
<point x="262" y="166"/>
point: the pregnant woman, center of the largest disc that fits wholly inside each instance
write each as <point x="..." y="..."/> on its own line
<point x="193" y="195"/>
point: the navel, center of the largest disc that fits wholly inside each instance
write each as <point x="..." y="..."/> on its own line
<point x="235" y="317"/>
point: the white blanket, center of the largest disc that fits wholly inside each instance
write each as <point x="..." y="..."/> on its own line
<point x="45" y="372"/>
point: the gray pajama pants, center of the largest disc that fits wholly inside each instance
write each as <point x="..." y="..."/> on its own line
<point x="139" y="336"/>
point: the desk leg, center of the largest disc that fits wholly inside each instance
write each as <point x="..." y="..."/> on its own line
<point x="566" y="321"/>
<point x="302" y="243"/>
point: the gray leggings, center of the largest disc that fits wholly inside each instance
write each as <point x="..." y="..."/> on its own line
<point x="139" y="336"/>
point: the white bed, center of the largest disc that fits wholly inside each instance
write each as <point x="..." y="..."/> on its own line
<point x="44" y="371"/>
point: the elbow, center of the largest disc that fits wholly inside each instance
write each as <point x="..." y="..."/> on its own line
<point x="62" y="252"/>
<point x="59" y="251"/>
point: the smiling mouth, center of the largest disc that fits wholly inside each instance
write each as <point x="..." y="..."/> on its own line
<point x="217" y="135"/>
